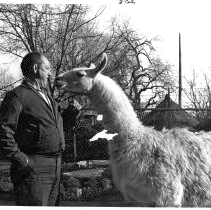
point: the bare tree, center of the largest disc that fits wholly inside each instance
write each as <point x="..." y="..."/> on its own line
<point x="7" y="82"/>
<point x="143" y="76"/>
<point x="70" y="39"/>
<point x="199" y="97"/>
<point x="56" y="30"/>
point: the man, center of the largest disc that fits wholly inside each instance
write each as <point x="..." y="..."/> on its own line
<point x="31" y="135"/>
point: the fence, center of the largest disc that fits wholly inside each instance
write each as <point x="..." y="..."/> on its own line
<point x="187" y="117"/>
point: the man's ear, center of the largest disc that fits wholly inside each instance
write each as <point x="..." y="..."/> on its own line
<point x="35" y="68"/>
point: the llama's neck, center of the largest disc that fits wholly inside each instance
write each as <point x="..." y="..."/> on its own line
<point x="110" y="101"/>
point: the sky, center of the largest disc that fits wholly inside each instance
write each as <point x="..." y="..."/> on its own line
<point x="166" y="19"/>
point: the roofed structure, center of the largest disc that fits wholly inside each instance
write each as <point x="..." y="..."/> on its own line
<point x="169" y="114"/>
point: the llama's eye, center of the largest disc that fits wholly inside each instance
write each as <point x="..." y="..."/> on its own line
<point x="80" y="73"/>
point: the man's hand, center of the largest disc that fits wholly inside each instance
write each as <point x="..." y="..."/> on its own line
<point x="23" y="160"/>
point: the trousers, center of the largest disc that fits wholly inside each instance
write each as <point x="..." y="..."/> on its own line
<point x="39" y="186"/>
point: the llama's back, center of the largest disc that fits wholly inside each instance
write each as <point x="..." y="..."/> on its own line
<point x="165" y="160"/>
<point x="194" y="165"/>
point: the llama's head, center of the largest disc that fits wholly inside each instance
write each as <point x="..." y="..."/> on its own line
<point x="80" y="80"/>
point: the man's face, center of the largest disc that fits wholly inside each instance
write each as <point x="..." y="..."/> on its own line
<point x="44" y="70"/>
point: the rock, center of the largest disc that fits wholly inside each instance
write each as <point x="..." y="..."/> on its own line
<point x="91" y="182"/>
<point x="69" y="181"/>
<point x="106" y="184"/>
<point x="6" y="184"/>
<point x="70" y="188"/>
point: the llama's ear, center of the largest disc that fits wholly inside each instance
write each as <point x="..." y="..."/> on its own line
<point x="101" y="64"/>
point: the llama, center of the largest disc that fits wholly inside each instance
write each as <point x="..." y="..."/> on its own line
<point x="168" y="168"/>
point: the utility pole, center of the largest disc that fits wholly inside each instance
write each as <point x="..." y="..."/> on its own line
<point x="180" y="73"/>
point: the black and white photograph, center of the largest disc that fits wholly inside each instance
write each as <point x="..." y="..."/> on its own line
<point x="105" y="103"/>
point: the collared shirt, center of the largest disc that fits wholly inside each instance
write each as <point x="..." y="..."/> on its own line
<point x="44" y="96"/>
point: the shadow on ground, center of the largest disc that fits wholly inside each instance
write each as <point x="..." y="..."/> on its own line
<point x="112" y="200"/>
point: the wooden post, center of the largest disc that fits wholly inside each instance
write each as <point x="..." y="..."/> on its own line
<point x="74" y="143"/>
<point x="180" y="73"/>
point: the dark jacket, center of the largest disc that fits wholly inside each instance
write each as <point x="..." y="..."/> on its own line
<point x="28" y="125"/>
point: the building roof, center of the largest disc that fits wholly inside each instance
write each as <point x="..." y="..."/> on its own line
<point x="169" y="114"/>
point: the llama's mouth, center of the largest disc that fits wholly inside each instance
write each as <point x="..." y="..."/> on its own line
<point x="59" y="83"/>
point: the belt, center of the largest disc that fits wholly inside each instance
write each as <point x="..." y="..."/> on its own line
<point x="53" y="154"/>
<point x="50" y="154"/>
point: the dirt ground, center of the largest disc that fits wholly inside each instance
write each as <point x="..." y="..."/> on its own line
<point x="112" y="200"/>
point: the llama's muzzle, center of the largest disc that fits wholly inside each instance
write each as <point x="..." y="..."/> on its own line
<point x="59" y="82"/>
